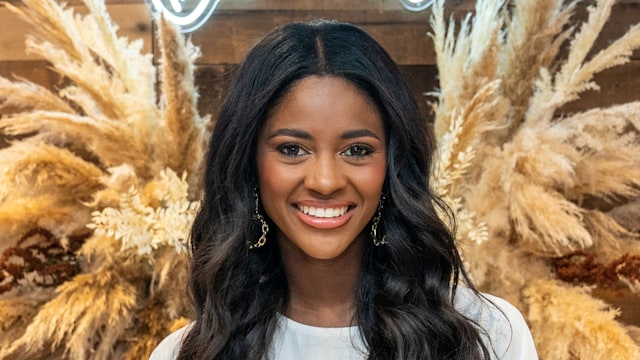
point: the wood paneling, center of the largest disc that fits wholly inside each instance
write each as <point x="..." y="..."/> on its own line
<point x="133" y="20"/>
<point x="618" y="85"/>
<point x="235" y="27"/>
<point x="211" y="81"/>
<point x="237" y="24"/>
<point x="36" y="71"/>
<point x="624" y="14"/>
<point x="402" y="33"/>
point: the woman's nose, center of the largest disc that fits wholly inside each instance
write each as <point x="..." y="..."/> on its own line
<point x="325" y="176"/>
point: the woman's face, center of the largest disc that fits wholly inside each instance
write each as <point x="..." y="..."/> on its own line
<point x="321" y="159"/>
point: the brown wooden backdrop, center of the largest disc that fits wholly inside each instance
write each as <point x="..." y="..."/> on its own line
<point x="237" y="24"/>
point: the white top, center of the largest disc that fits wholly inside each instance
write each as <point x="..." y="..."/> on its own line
<point x="507" y="334"/>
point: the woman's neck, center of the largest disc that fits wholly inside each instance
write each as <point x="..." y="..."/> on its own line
<point x="322" y="292"/>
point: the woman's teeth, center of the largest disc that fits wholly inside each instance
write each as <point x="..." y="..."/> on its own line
<point x="323" y="212"/>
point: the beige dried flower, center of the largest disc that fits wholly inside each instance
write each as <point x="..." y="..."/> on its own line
<point x="80" y="151"/>
<point x="508" y="161"/>
<point x="137" y="225"/>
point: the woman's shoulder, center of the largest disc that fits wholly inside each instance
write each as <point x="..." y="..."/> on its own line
<point x="502" y="325"/>
<point x="169" y="348"/>
<point x="484" y="308"/>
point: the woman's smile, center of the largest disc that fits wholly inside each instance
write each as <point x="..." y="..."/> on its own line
<point x="321" y="160"/>
<point x="324" y="217"/>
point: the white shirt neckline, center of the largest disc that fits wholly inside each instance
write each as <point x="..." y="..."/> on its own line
<point x="316" y="330"/>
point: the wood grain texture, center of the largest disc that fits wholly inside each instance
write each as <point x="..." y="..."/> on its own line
<point x="233" y="29"/>
<point x="134" y="22"/>
<point x="618" y="85"/>
<point x="226" y="38"/>
<point x="36" y="71"/>
<point x="238" y="24"/>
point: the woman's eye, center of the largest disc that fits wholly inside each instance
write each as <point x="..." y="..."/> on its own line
<point x="357" y="151"/>
<point x="291" y="150"/>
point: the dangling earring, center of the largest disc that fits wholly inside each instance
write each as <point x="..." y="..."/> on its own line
<point x="265" y="227"/>
<point x="374" y="226"/>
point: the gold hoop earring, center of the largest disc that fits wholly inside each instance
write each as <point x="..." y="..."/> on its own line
<point x="374" y="226"/>
<point x="257" y="216"/>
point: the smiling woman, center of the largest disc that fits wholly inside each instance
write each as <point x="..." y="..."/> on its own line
<point x="319" y="236"/>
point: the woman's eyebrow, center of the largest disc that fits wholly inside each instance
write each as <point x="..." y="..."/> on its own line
<point x="297" y="133"/>
<point x="352" y="134"/>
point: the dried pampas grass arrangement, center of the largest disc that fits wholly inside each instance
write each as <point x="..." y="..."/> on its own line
<point x="98" y="181"/>
<point x="518" y="174"/>
<point x="95" y="195"/>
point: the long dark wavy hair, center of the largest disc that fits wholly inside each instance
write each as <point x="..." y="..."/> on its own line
<point x="406" y="288"/>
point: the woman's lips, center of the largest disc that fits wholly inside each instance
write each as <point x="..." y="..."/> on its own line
<point x="324" y="217"/>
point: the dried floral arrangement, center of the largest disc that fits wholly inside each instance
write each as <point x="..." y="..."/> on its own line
<point x="97" y="190"/>
<point x="519" y="173"/>
<point x="98" y="183"/>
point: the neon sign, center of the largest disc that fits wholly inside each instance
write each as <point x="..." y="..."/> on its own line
<point x="190" y="18"/>
<point x="182" y="12"/>
<point x="416" y="5"/>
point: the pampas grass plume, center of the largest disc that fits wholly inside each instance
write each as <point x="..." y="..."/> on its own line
<point x="97" y="306"/>
<point x="588" y="326"/>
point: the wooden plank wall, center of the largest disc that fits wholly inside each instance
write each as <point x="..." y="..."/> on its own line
<point x="237" y="24"/>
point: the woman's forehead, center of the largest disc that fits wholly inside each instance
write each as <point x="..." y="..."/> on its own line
<point x="325" y="102"/>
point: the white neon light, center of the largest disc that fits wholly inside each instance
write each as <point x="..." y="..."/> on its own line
<point x="176" y="5"/>
<point x="191" y="21"/>
<point x="416" y="5"/>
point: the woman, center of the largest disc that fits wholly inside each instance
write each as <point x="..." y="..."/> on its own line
<point x="318" y="235"/>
